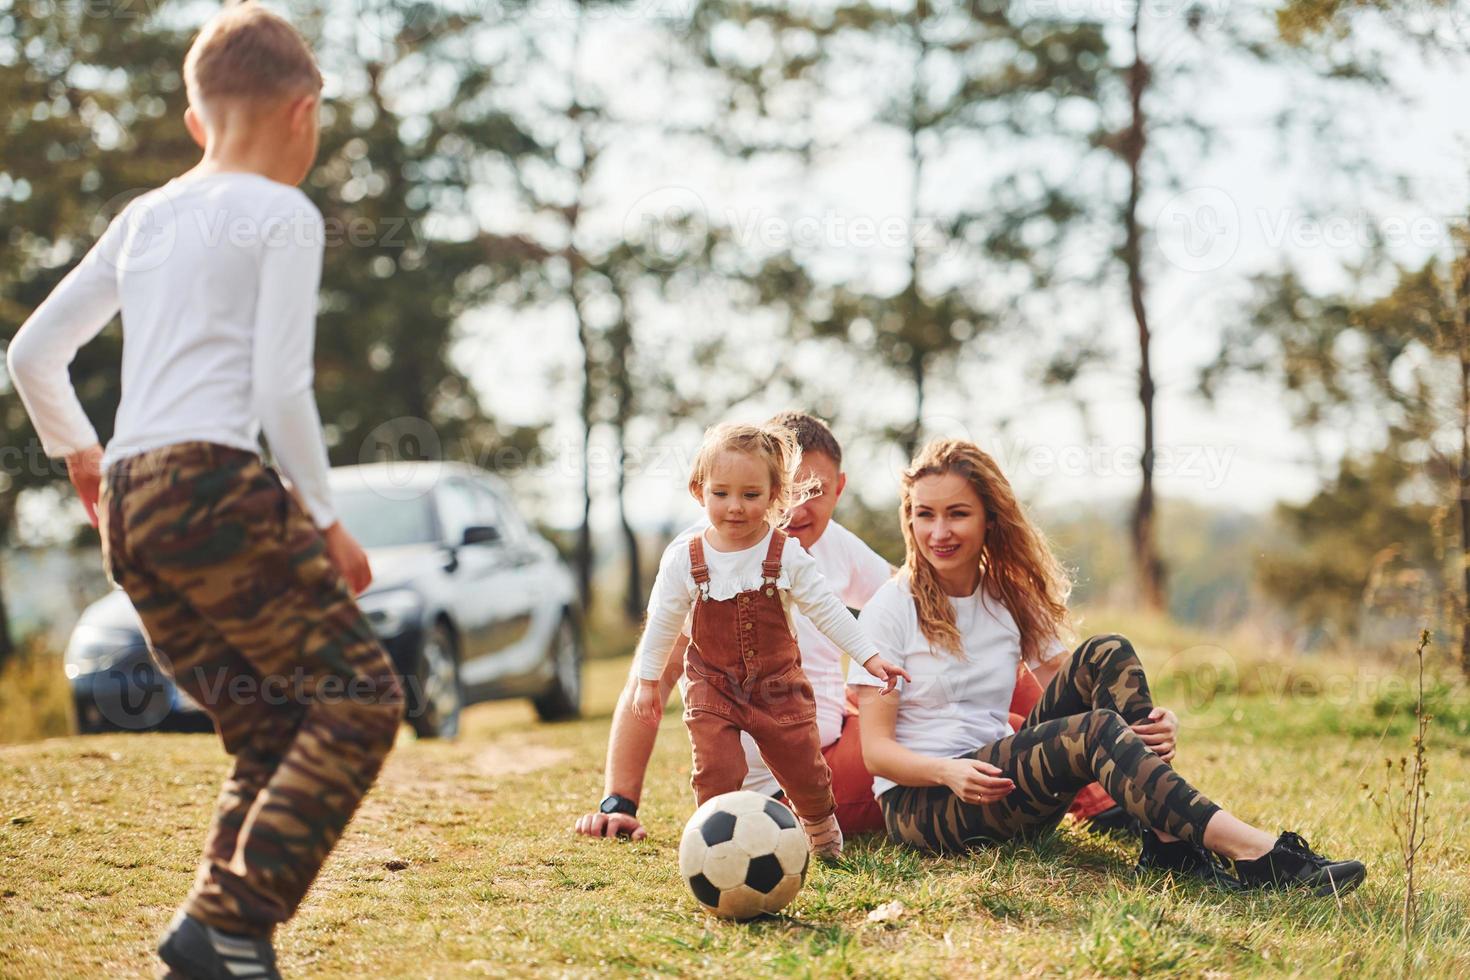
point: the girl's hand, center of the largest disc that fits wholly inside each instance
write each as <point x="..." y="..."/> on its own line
<point x="646" y="706"/>
<point x="974" y="781"/>
<point x="885" y="671"/>
<point x="1160" y="732"/>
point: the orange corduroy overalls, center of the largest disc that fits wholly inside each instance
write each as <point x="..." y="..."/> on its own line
<point x="742" y="672"/>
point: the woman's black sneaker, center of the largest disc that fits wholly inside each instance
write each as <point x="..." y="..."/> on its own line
<point x="1115" y="821"/>
<point x="1292" y="864"/>
<point x="1181" y="858"/>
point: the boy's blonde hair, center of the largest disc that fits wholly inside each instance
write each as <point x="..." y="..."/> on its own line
<point x="247" y="52"/>
<point x="773" y="445"/>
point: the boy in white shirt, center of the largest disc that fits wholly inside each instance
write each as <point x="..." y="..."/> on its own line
<point x="246" y="598"/>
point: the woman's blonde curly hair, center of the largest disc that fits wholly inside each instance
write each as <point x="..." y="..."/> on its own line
<point x="775" y="446"/>
<point x="1016" y="562"/>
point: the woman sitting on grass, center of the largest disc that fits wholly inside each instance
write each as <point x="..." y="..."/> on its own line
<point x="980" y="590"/>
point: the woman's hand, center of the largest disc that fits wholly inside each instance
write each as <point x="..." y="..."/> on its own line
<point x="886" y="672"/>
<point x="647" y="707"/>
<point x="974" y="781"/>
<point x="1159" y="732"/>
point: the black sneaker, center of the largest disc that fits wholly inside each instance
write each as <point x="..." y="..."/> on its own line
<point x="1115" y="821"/>
<point x="196" y="951"/>
<point x="1181" y="858"/>
<point x="1292" y="864"/>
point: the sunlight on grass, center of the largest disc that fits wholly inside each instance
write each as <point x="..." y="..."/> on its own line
<point x="35" y="699"/>
<point x="462" y="863"/>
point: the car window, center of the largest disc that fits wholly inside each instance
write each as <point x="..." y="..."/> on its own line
<point x="513" y="526"/>
<point x="487" y="508"/>
<point x="379" y="521"/>
<point x="459" y="508"/>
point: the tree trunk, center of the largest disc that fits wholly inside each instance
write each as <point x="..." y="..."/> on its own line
<point x="916" y="431"/>
<point x="1464" y="489"/>
<point x="586" y="408"/>
<point x="7" y="521"/>
<point x="913" y="308"/>
<point x="633" y="598"/>
<point x="7" y="644"/>
<point x="621" y="381"/>
<point x="584" y="532"/>
<point x="577" y="266"/>
<point x="1149" y="567"/>
<point x="1462" y="338"/>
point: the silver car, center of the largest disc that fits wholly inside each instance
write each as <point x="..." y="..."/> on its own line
<point x="472" y="604"/>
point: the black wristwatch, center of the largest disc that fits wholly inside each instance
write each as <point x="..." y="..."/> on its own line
<point x="614" y="803"/>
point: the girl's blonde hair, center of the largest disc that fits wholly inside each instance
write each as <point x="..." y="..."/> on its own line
<point x="773" y="445"/>
<point x="1016" y="563"/>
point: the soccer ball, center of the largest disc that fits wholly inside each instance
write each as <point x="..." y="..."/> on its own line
<point x="743" y="855"/>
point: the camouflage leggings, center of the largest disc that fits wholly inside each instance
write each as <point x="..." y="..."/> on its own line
<point x="1077" y="733"/>
<point x="243" y="608"/>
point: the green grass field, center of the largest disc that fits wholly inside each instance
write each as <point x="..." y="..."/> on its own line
<point x="462" y="861"/>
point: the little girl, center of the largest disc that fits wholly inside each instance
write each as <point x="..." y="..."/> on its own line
<point x="742" y="668"/>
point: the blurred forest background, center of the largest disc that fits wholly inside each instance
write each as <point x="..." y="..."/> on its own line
<point x="569" y="235"/>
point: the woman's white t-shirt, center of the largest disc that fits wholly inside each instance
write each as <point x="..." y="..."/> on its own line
<point x="956" y="702"/>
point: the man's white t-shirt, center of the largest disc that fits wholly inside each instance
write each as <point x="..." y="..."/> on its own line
<point x="854" y="572"/>
<point x="956" y="702"/>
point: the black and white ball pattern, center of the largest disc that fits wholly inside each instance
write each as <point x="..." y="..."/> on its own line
<point x="743" y="855"/>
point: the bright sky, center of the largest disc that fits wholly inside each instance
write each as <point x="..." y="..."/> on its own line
<point x="1243" y="210"/>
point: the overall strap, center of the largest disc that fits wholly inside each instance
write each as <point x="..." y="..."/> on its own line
<point x="771" y="567"/>
<point x="697" y="567"/>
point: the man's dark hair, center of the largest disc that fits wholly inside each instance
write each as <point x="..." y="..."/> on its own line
<point x="811" y="433"/>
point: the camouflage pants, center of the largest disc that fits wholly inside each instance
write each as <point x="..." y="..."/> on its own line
<point x="1077" y="733"/>
<point x="242" y="607"/>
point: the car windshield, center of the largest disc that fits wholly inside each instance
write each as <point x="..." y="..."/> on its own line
<point x="378" y="521"/>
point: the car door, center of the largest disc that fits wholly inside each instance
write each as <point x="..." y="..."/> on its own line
<point x="471" y="572"/>
<point x="516" y="653"/>
<point x="487" y="593"/>
<point x="533" y="601"/>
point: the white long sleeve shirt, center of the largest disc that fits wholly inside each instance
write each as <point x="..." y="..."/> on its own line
<point x="216" y="277"/>
<point x="801" y="584"/>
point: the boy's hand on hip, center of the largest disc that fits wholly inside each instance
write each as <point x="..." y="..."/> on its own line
<point x="85" y="469"/>
<point x="886" y="672"/>
<point x="349" y="558"/>
<point x="647" y="707"/>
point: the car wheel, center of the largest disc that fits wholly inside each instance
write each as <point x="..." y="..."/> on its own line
<point x="89" y="719"/>
<point x="435" y="698"/>
<point x="563" y="699"/>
